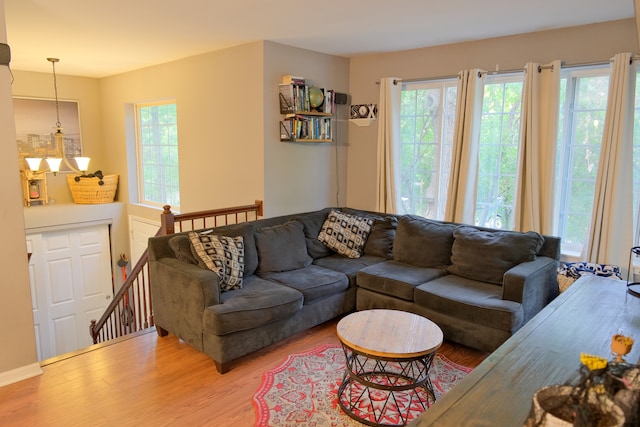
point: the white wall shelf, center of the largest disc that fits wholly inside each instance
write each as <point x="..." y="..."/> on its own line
<point x="363" y="122"/>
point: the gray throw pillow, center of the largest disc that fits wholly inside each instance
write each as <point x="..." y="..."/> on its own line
<point x="281" y="248"/>
<point x="380" y="240"/>
<point x="487" y="255"/>
<point x="181" y="246"/>
<point x="423" y="242"/>
<point x="312" y="223"/>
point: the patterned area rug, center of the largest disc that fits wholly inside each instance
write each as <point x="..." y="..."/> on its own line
<point x="302" y="392"/>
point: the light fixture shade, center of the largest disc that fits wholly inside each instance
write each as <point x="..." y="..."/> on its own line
<point x="83" y="163"/>
<point x="54" y="164"/>
<point x="34" y="163"/>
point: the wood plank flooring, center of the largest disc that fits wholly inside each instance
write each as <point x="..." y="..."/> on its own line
<point x="152" y="381"/>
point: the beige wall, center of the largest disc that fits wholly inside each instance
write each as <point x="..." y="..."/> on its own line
<point x="219" y="105"/>
<point x="300" y="176"/>
<point x="583" y="44"/>
<point x="18" y="350"/>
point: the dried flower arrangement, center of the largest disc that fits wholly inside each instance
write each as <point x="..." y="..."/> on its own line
<point x="606" y="393"/>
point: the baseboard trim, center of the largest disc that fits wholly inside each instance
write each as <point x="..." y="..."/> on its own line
<point x="19" y="374"/>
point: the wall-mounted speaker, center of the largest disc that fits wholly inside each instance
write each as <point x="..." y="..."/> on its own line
<point x="340" y="98"/>
<point x="5" y="54"/>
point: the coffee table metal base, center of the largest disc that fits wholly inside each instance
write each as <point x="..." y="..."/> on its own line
<point x="380" y="391"/>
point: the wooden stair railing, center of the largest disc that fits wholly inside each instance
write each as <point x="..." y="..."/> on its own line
<point x="131" y="309"/>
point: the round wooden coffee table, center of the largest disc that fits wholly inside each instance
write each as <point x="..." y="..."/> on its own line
<point x="389" y="354"/>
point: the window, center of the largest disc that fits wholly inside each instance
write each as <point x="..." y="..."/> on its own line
<point x="498" y="155"/>
<point x="157" y="150"/>
<point x="583" y="104"/>
<point x="636" y="162"/>
<point x="427" y="118"/>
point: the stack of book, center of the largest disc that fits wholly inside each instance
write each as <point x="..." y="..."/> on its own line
<point x="295" y="98"/>
<point x="292" y="80"/>
<point x="296" y="126"/>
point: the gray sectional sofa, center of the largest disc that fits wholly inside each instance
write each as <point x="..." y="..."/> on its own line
<point x="232" y="290"/>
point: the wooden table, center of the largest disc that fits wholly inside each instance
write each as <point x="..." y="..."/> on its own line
<point x="545" y="351"/>
<point x="389" y="354"/>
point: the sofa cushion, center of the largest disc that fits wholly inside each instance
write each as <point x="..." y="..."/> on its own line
<point x="345" y="233"/>
<point x="476" y="302"/>
<point x="281" y="248"/>
<point x="348" y="266"/>
<point x="314" y="282"/>
<point x="181" y="247"/>
<point x="258" y="302"/>
<point x="312" y="223"/>
<point x="221" y="254"/>
<point x="423" y="242"/>
<point x="486" y="255"/>
<point x="395" y="278"/>
<point x="380" y="240"/>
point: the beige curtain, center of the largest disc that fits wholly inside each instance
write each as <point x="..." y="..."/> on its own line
<point x="461" y="200"/>
<point x="537" y="153"/>
<point x="611" y="231"/>
<point x="388" y="145"/>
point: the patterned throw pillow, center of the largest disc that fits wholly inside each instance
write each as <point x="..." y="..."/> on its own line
<point x="223" y="255"/>
<point x="345" y="233"/>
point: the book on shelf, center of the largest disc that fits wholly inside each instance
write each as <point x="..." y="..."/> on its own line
<point x="301" y="127"/>
<point x="286" y="98"/>
<point x="328" y="104"/>
<point x="290" y="79"/>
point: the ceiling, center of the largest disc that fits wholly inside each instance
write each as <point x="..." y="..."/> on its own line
<point x="100" y="38"/>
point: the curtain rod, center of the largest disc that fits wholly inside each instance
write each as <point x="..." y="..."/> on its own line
<point x="541" y="67"/>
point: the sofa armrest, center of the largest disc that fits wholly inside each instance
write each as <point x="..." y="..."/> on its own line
<point x="533" y="284"/>
<point x="180" y="293"/>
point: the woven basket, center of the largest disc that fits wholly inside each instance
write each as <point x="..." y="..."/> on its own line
<point x="89" y="191"/>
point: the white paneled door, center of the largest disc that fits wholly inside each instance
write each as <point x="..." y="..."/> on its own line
<point x="71" y="284"/>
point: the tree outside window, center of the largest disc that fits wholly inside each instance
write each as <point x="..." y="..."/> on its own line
<point x="583" y="104"/>
<point x="157" y="143"/>
<point x="498" y="154"/>
<point x="427" y="121"/>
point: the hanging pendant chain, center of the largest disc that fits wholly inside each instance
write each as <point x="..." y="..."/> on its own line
<point x="55" y="88"/>
<point x="55" y="85"/>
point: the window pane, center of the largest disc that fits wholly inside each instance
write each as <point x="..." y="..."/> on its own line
<point x="158" y="154"/>
<point x="636" y="162"/>
<point x="498" y="155"/>
<point x="583" y="104"/>
<point x="426" y="131"/>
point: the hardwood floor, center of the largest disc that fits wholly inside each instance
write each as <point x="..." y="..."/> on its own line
<point x="149" y="380"/>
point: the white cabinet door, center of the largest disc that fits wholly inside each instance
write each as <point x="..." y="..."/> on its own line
<point x="38" y="296"/>
<point x="72" y="285"/>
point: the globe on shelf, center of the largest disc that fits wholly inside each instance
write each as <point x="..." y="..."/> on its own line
<point x="316" y="97"/>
